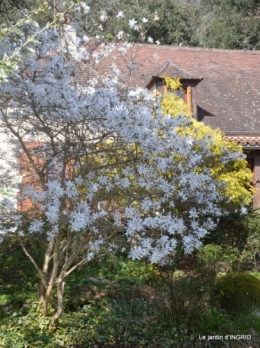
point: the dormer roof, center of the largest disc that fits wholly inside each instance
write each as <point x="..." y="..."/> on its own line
<point x="170" y="69"/>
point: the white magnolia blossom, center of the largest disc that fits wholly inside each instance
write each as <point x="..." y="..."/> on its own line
<point x="36" y="226"/>
<point x="85" y="38"/>
<point x="142" y="36"/>
<point x="120" y="14"/>
<point x="243" y="211"/>
<point x="89" y="143"/>
<point x="156" y="17"/>
<point x="132" y="22"/>
<point x="193" y="213"/>
<point x="86" y="8"/>
<point x="104" y="16"/>
<point x="120" y="35"/>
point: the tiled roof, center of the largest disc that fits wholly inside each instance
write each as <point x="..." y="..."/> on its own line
<point x="228" y="97"/>
<point x="245" y="140"/>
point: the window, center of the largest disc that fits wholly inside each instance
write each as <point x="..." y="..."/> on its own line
<point x="180" y="93"/>
<point x="188" y="94"/>
<point x="185" y="94"/>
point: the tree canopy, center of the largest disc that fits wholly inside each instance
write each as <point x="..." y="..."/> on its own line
<point x="229" y="24"/>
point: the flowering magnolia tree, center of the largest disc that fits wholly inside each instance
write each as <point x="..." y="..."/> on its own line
<point x="99" y="166"/>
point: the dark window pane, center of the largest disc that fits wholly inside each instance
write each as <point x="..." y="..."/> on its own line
<point x="179" y="93"/>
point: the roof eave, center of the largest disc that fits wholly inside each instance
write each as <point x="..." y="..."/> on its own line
<point x="195" y="80"/>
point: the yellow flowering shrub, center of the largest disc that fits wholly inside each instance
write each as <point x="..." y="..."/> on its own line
<point x="172" y="104"/>
<point x="237" y="175"/>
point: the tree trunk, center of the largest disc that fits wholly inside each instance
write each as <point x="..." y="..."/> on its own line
<point x="45" y="304"/>
<point x="45" y="270"/>
<point x="47" y="297"/>
<point x="41" y="292"/>
<point x="57" y="315"/>
<point x="45" y="294"/>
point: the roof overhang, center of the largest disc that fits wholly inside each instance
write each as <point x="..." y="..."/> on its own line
<point x="192" y="80"/>
<point x="248" y="141"/>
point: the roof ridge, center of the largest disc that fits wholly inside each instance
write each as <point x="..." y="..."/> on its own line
<point x="187" y="48"/>
<point x="180" y="68"/>
<point x="170" y="62"/>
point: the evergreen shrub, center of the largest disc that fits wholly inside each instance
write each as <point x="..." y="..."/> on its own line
<point x="236" y="291"/>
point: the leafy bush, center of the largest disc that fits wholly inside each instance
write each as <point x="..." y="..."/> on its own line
<point x="251" y="250"/>
<point x="232" y="230"/>
<point x="15" y="266"/>
<point x="217" y="257"/>
<point x="185" y="298"/>
<point x="237" y="290"/>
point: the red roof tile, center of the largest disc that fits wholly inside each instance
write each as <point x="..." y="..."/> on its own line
<point x="245" y="140"/>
